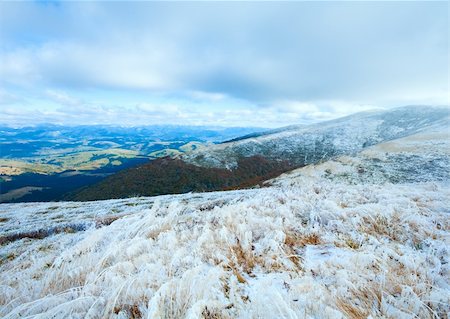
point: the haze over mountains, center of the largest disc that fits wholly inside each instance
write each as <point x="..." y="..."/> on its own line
<point x="48" y="163"/>
<point x="362" y="234"/>
<point x="44" y="162"/>
<point x="251" y="160"/>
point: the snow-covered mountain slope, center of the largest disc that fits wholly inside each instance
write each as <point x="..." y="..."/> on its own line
<point x="341" y="239"/>
<point x="303" y="145"/>
<point x="420" y="157"/>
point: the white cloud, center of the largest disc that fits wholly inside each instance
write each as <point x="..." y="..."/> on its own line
<point x="8" y="98"/>
<point x="290" y="62"/>
<point x="206" y="96"/>
<point x="62" y="98"/>
<point x="297" y="107"/>
<point x="71" y="110"/>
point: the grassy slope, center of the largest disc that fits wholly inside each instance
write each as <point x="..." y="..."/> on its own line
<point x="173" y="176"/>
<point x="325" y="241"/>
<point x="307" y="247"/>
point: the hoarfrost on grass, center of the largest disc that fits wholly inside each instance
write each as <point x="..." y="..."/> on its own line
<point x="316" y="248"/>
<point x="317" y="243"/>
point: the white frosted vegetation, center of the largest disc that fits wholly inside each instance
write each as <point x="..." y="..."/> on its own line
<point x="306" y="249"/>
<point x="335" y="240"/>
<point x="317" y="142"/>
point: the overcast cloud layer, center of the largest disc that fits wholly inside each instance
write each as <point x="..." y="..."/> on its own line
<point x="261" y="64"/>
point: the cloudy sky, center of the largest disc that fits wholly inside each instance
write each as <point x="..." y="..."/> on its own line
<point x="231" y="64"/>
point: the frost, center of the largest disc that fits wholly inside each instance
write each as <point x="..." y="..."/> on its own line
<point x="303" y="145"/>
<point x="319" y="242"/>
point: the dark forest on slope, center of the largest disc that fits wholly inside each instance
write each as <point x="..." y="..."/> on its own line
<point x="173" y="176"/>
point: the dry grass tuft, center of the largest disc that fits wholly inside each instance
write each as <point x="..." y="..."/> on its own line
<point x="294" y="239"/>
<point x="382" y="226"/>
<point x="42" y="233"/>
<point x="351" y="243"/>
<point x="367" y="298"/>
<point x="212" y="314"/>
<point x="8" y="257"/>
<point x="239" y="277"/>
<point x="352" y="311"/>
<point x="295" y="260"/>
<point x="131" y="311"/>
<point x="245" y="259"/>
<point x="106" y="220"/>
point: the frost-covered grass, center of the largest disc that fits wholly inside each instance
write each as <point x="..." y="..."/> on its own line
<point x="312" y="245"/>
<point x="421" y="157"/>
<point x="302" y="145"/>
<point x="311" y="248"/>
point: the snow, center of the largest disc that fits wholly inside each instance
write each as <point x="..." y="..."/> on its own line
<point x="320" y="242"/>
<point x="301" y="145"/>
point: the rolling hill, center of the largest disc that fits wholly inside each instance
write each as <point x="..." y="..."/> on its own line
<point x="363" y="235"/>
<point x="44" y="162"/>
<point x="302" y="145"/>
<point x="249" y="160"/>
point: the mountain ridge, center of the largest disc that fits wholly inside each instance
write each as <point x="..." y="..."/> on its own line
<point x="315" y="243"/>
<point x="231" y="165"/>
<point x="326" y="139"/>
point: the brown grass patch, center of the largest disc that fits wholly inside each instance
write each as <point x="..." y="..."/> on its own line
<point x="106" y="220"/>
<point x="347" y="242"/>
<point x="351" y="310"/>
<point x="242" y="260"/>
<point x="352" y="243"/>
<point x="42" y="233"/>
<point x="245" y="259"/>
<point x="9" y="257"/>
<point x="212" y="314"/>
<point x="368" y="298"/>
<point x="293" y="239"/>
<point x="132" y="311"/>
<point x="382" y="226"/>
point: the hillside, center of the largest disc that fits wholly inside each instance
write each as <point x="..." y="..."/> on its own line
<point x="174" y="176"/>
<point x="250" y="160"/>
<point x="353" y="237"/>
<point x="44" y="162"/>
<point x="302" y="145"/>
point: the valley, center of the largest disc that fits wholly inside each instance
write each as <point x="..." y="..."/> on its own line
<point x="252" y="159"/>
<point x="362" y="233"/>
<point x="46" y="162"/>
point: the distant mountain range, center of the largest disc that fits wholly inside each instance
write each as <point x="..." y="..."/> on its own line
<point x="254" y="158"/>
<point x="356" y="236"/>
<point x="44" y="162"/>
<point x="42" y="140"/>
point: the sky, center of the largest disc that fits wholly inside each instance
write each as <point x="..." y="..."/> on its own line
<point x="264" y="64"/>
